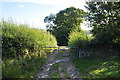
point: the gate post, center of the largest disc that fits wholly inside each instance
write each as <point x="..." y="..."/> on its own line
<point x="78" y="53"/>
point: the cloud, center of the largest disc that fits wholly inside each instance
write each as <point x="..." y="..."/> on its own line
<point x="21" y="6"/>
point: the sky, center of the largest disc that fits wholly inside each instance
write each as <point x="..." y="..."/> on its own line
<point x="33" y="12"/>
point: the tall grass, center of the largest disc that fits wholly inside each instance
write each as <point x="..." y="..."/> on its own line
<point x="22" y="49"/>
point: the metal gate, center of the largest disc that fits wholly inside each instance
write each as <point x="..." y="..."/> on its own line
<point x="74" y="51"/>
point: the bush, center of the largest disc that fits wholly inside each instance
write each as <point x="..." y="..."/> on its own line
<point x="78" y="38"/>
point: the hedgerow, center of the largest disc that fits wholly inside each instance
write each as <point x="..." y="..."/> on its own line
<point x="18" y="40"/>
<point x="23" y="50"/>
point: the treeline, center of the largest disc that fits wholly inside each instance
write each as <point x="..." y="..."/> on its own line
<point x="104" y="19"/>
<point x="22" y="49"/>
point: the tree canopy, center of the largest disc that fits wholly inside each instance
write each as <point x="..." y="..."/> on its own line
<point x="104" y="17"/>
<point x="62" y="23"/>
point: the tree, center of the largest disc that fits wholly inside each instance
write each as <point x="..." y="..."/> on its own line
<point x="104" y="17"/>
<point x="61" y="23"/>
<point x="50" y="19"/>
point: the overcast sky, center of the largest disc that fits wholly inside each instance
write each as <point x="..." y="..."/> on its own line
<point x="33" y="12"/>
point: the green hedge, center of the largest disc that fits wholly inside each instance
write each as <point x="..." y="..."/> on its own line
<point x="19" y="40"/>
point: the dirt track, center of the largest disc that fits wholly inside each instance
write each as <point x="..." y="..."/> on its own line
<point x="59" y="65"/>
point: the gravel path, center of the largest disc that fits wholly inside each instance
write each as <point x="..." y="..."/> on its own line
<point x="59" y="65"/>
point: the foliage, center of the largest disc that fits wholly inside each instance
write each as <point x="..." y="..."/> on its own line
<point x="50" y="19"/>
<point x="22" y="49"/>
<point x="19" y="40"/>
<point x="78" y="38"/>
<point x="61" y="35"/>
<point x="105" y="19"/>
<point x="62" y="23"/>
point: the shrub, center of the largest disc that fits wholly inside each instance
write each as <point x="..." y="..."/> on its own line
<point x="78" y="38"/>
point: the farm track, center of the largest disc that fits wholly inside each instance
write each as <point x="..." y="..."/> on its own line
<point x="59" y="65"/>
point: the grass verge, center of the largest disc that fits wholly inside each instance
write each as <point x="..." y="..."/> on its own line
<point x="98" y="66"/>
<point x="23" y="68"/>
